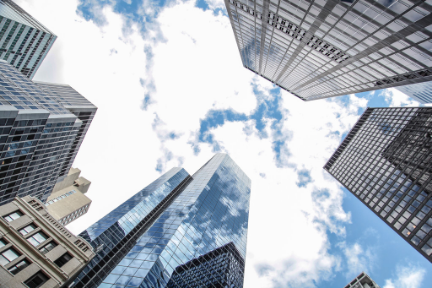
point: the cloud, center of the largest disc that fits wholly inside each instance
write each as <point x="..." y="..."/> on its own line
<point x="409" y="276"/>
<point x="396" y="98"/>
<point x="358" y="259"/>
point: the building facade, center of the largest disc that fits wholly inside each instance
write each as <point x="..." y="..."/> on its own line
<point x="24" y="41"/>
<point x="362" y="281"/>
<point x="169" y="224"/>
<point x="221" y="267"/>
<point x="319" y="49"/>
<point x="421" y="92"/>
<point x="39" y="136"/>
<point x="68" y="201"/>
<point x="36" y="250"/>
<point x="385" y="161"/>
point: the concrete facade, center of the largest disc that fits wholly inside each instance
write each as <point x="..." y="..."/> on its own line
<point x="67" y="201"/>
<point x="362" y="281"/>
<point x="44" y="253"/>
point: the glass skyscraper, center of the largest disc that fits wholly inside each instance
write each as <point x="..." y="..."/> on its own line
<point x="226" y="260"/>
<point x="386" y="162"/>
<point x="175" y="232"/>
<point x="319" y="49"/>
<point x="421" y="92"/>
<point x="41" y="130"/>
<point x="24" y="41"/>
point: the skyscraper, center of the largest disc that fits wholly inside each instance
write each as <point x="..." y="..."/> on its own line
<point x="226" y="259"/>
<point x="40" y="135"/>
<point x="320" y="49"/>
<point x="385" y="161"/>
<point x="421" y="92"/>
<point x="75" y="103"/>
<point x="24" y="41"/>
<point x="68" y="201"/>
<point x="172" y="225"/>
<point x="362" y="281"/>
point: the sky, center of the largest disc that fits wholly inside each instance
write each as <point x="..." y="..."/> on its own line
<point x="171" y="91"/>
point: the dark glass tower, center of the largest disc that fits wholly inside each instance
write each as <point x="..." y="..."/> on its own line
<point x="385" y="161"/>
<point x="24" y="41"/>
<point x="175" y="226"/>
<point x="222" y="267"/>
<point x="318" y="49"/>
<point x="40" y="133"/>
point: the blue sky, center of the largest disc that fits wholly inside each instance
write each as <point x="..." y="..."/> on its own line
<point x="171" y="91"/>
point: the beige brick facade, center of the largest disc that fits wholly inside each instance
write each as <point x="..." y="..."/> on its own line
<point x="35" y="248"/>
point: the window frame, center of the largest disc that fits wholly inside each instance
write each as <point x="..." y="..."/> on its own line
<point x="32" y="238"/>
<point x="26" y="233"/>
<point x="59" y="261"/>
<point x="31" y="278"/>
<point x="19" y="269"/>
<point x="44" y="247"/>
<point x="15" y="212"/>
<point x="10" y="249"/>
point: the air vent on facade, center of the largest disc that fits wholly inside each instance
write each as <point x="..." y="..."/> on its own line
<point x="404" y="77"/>
<point x="327" y="49"/>
<point x="285" y="26"/>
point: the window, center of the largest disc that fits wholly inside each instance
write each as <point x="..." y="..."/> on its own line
<point x="37" y="238"/>
<point x="13" y="216"/>
<point x="19" y="266"/>
<point x="2" y="243"/>
<point x="36" y="280"/>
<point x="63" y="259"/>
<point x="24" y="231"/>
<point x="8" y="256"/>
<point x="48" y="247"/>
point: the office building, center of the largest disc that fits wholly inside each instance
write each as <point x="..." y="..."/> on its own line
<point x="421" y="92"/>
<point x="385" y="161"/>
<point x="68" y="201"/>
<point x="74" y="102"/>
<point x="226" y="260"/>
<point x="36" y="250"/>
<point x="40" y="135"/>
<point x="362" y="281"/>
<point x="170" y="224"/>
<point x="321" y="49"/>
<point x="24" y="41"/>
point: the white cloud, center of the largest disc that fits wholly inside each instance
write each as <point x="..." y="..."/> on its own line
<point x="118" y="153"/>
<point x="215" y="4"/>
<point x="358" y="258"/>
<point x="396" y="98"/>
<point x="406" y="277"/>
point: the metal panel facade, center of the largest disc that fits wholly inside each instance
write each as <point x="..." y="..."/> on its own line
<point x="385" y="161"/>
<point x="319" y="49"/>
